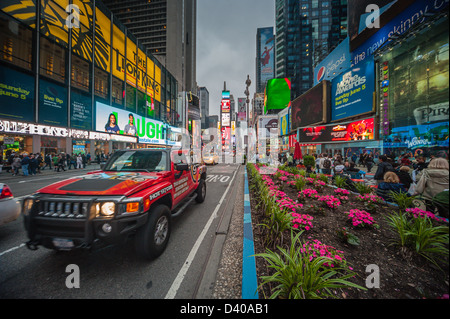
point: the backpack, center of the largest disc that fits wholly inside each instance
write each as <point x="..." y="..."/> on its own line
<point x="326" y="163"/>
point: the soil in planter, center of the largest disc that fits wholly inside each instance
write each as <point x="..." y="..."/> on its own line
<point x="403" y="273"/>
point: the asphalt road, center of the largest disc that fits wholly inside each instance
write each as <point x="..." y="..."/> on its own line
<point x="115" y="271"/>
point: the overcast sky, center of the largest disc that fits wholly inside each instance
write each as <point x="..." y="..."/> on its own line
<point x="226" y="45"/>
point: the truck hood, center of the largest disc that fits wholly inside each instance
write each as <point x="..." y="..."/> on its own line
<point x="104" y="184"/>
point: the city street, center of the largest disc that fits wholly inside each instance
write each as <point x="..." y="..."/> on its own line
<point x="116" y="271"/>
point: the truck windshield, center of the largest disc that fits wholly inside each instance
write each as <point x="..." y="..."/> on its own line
<point x="129" y="161"/>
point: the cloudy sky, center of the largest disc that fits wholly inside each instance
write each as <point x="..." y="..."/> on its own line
<point x="226" y="45"/>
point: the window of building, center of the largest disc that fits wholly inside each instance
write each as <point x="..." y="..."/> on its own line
<point x="117" y="91"/>
<point x="80" y="74"/>
<point x="16" y="43"/>
<point x="52" y="60"/>
<point x="101" y="83"/>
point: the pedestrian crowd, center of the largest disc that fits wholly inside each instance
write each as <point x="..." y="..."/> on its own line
<point x="33" y="164"/>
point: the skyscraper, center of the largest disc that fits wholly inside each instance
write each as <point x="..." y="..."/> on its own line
<point x="167" y="29"/>
<point x="306" y="31"/>
<point x="204" y="106"/>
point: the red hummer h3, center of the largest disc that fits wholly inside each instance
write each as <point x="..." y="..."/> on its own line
<point x="136" y="192"/>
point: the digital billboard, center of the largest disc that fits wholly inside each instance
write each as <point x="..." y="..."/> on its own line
<point x="277" y="95"/>
<point x="311" y="107"/>
<point x="352" y="91"/>
<point x="117" y="121"/>
<point x="355" y="131"/>
<point x="226" y="104"/>
<point x="225" y="119"/>
<point x="284" y="122"/>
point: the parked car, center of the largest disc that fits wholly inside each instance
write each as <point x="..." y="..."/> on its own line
<point x="9" y="206"/>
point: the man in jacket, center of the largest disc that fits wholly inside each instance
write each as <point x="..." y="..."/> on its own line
<point x="383" y="167"/>
<point x="25" y="164"/>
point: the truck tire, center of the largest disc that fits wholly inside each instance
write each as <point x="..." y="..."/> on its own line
<point x="152" y="238"/>
<point x="201" y="191"/>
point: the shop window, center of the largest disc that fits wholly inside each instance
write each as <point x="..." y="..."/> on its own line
<point x="15" y="43"/>
<point x="80" y="73"/>
<point x="117" y="91"/>
<point x="131" y="98"/>
<point x="52" y="60"/>
<point x="101" y="83"/>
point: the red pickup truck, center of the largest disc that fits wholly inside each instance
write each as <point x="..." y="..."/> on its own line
<point x="136" y="192"/>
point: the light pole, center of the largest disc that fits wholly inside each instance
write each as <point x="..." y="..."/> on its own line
<point x="247" y="93"/>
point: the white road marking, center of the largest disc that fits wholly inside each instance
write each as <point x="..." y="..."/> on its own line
<point x="182" y="273"/>
<point x="12" y="249"/>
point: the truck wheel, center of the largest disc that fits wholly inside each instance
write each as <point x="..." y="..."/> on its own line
<point x="201" y="191"/>
<point x="152" y="238"/>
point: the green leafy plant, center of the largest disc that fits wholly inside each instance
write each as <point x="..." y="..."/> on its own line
<point x="403" y="200"/>
<point x="323" y="178"/>
<point x="300" y="184"/>
<point x="277" y="221"/>
<point x="420" y="235"/>
<point x="340" y="182"/>
<point x="309" y="160"/>
<point x="347" y="237"/>
<point x="363" y="189"/>
<point x="299" y="276"/>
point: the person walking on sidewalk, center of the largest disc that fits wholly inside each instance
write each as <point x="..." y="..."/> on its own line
<point x="25" y="164"/>
<point x="79" y="161"/>
<point x="48" y="161"/>
<point x="33" y="164"/>
<point x="61" y="162"/>
<point x="16" y="164"/>
<point x="55" y="160"/>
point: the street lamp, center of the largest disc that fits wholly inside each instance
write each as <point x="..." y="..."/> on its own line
<point x="247" y="93"/>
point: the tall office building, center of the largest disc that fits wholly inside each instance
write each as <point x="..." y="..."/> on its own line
<point x="167" y="29"/>
<point x="306" y="31"/>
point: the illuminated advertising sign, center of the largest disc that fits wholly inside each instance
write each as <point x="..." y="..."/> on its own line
<point x="117" y="121"/>
<point x="311" y="107"/>
<point x="284" y="122"/>
<point x="352" y="91"/>
<point x="355" y="131"/>
<point x="277" y="94"/>
<point x="334" y="64"/>
<point x="226" y="104"/>
<point x="226" y="119"/>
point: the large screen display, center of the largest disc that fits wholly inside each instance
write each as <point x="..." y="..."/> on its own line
<point x="354" y="131"/>
<point x="311" y="107"/>
<point x="277" y="94"/>
<point x="352" y="91"/>
<point x="117" y="121"/>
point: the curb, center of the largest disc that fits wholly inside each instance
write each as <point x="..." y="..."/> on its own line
<point x="249" y="277"/>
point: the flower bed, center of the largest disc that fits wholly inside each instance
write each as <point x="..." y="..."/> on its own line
<point x="322" y="215"/>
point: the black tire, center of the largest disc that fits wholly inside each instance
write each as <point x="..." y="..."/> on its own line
<point x="201" y="191"/>
<point x="151" y="240"/>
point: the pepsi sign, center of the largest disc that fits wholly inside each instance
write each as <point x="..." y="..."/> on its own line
<point x="334" y="64"/>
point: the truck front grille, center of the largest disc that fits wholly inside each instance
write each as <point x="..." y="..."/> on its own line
<point x="63" y="209"/>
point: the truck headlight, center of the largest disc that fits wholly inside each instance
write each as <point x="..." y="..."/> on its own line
<point x="27" y="206"/>
<point x="108" y="209"/>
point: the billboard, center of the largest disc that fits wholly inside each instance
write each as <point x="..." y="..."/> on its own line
<point x="117" y="121"/>
<point x="225" y="105"/>
<point x="311" y="107"/>
<point x="334" y="64"/>
<point x="266" y="59"/>
<point x="277" y="95"/>
<point x="284" y="121"/>
<point x="16" y="88"/>
<point x="52" y="103"/>
<point x="268" y="123"/>
<point x="352" y="91"/>
<point x="362" y="130"/>
<point x="404" y="15"/>
<point x="226" y="119"/>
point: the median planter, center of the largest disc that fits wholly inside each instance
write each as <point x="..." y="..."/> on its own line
<point x="321" y="217"/>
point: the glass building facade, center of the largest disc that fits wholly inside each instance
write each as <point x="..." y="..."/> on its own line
<point x="55" y="68"/>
